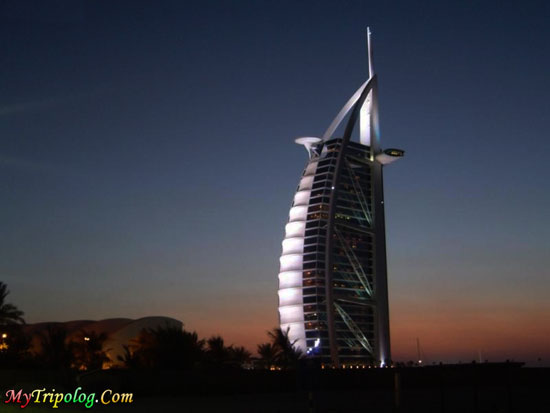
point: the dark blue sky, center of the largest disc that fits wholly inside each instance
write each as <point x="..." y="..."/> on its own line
<point x="147" y="161"/>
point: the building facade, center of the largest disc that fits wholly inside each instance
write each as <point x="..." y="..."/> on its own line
<point x="333" y="292"/>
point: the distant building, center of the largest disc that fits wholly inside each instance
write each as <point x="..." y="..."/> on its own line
<point x="333" y="290"/>
<point x="119" y="331"/>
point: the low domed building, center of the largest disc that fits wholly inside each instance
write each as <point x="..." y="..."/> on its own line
<point x="119" y="332"/>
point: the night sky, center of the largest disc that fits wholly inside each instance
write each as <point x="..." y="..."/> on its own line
<point x="147" y="162"/>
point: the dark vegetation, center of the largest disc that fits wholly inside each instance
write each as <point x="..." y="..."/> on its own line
<point x="161" y="348"/>
<point x="171" y="369"/>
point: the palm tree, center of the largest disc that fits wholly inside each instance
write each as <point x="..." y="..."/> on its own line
<point x="129" y="358"/>
<point x="216" y="351"/>
<point x="56" y="350"/>
<point x="143" y="349"/>
<point x="268" y="355"/>
<point x="287" y="355"/>
<point x="239" y="356"/>
<point x="9" y="313"/>
<point x="89" y="351"/>
<point x="14" y="347"/>
<point x="168" y="348"/>
<point x="219" y="355"/>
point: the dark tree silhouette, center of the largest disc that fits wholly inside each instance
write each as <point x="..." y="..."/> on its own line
<point x="89" y="352"/>
<point x="268" y="355"/>
<point x="239" y="356"/>
<point x="56" y="349"/>
<point x="14" y="344"/>
<point x="217" y="354"/>
<point x="9" y="313"/>
<point x="168" y="348"/>
<point x="288" y="356"/>
<point x="130" y="358"/>
<point x="14" y="347"/>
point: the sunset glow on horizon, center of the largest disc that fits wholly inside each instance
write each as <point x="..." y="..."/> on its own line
<point x="148" y="163"/>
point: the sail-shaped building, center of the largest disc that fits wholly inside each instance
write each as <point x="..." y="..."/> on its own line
<point x="333" y="289"/>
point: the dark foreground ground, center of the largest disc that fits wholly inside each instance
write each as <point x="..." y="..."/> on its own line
<point x="464" y="388"/>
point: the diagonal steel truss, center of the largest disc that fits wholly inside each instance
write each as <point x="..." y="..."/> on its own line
<point x="360" y="194"/>
<point x="354" y="262"/>
<point x="354" y="328"/>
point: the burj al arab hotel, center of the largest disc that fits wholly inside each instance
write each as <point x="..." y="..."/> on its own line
<point x="333" y="287"/>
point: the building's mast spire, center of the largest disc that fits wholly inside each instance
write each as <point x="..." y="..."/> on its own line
<point x="365" y="113"/>
<point x="367" y="106"/>
<point x="369" y="52"/>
